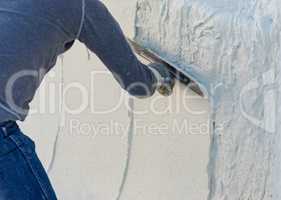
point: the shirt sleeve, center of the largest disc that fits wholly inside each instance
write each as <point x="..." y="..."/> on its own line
<point x="102" y="35"/>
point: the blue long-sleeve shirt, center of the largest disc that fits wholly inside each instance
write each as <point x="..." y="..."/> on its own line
<point x="33" y="33"/>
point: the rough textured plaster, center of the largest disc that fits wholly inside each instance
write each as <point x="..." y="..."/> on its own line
<point x="232" y="48"/>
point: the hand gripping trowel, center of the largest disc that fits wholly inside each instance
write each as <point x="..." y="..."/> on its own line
<point x="151" y="56"/>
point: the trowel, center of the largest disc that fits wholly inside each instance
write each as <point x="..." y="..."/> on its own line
<point x="151" y="56"/>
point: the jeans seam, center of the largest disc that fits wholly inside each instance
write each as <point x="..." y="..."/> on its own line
<point x="30" y="167"/>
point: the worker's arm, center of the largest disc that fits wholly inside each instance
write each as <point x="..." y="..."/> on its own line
<point x="103" y="35"/>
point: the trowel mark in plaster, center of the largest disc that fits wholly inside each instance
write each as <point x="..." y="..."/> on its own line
<point x="61" y="119"/>
<point x="129" y="148"/>
<point x="62" y="116"/>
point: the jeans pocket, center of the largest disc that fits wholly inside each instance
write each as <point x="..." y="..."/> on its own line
<point x="17" y="177"/>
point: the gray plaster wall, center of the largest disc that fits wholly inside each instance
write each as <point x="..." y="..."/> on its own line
<point x="232" y="49"/>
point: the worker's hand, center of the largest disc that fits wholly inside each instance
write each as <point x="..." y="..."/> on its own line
<point x="165" y="80"/>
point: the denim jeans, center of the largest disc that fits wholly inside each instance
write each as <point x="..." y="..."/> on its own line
<point x="22" y="176"/>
